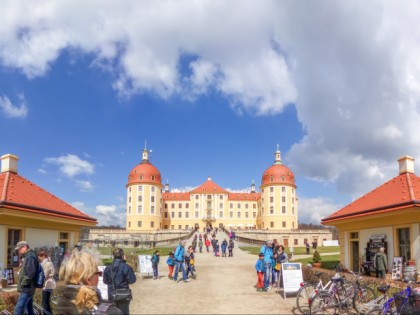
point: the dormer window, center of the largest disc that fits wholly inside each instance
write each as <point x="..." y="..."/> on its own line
<point x="153" y="177"/>
<point x="141" y="176"/>
<point x="271" y="178"/>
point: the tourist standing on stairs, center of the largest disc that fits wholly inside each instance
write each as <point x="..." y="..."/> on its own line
<point x="267" y="250"/>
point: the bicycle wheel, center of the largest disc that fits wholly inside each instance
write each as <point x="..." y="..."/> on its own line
<point x="379" y="311"/>
<point x="324" y="303"/>
<point x="361" y="299"/>
<point x="304" y="297"/>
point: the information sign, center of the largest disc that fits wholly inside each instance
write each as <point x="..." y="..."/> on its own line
<point x="145" y="264"/>
<point x="292" y="277"/>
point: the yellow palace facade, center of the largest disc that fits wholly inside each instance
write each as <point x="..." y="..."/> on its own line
<point x="151" y="206"/>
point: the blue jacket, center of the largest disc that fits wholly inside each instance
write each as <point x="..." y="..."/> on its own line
<point x="260" y="265"/>
<point x="170" y="261"/>
<point x="27" y="274"/>
<point x="119" y="277"/>
<point x="268" y="253"/>
<point x="179" y="253"/>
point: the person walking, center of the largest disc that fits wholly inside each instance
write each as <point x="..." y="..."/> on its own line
<point x="119" y="275"/>
<point x="26" y="280"/>
<point x="155" y="264"/>
<point x="171" y="263"/>
<point x="179" y="261"/>
<point x="267" y="250"/>
<point x="231" y="245"/>
<point x="307" y="247"/>
<point x="200" y="244"/>
<point x="224" y="246"/>
<point x="207" y="245"/>
<point x="189" y="262"/>
<point x="380" y="262"/>
<point x="49" y="284"/>
<point x="260" y="267"/>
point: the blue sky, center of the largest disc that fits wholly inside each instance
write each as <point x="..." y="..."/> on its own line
<point x="212" y="87"/>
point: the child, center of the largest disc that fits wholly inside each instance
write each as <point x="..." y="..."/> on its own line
<point x="230" y="248"/>
<point x="224" y="246"/>
<point x="207" y="245"/>
<point x="171" y="263"/>
<point x="189" y="261"/>
<point x="260" y="267"/>
<point x="155" y="263"/>
<point x="216" y="248"/>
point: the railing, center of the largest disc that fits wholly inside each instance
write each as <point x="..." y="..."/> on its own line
<point x="209" y="218"/>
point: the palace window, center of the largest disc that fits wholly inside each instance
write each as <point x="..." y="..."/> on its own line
<point x="166" y="214"/>
<point x="221" y="197"/>
<point x="254" y="215"/>
<point x="153" y="187"/>
<point x="152" y="209"/>
<point x="139" y="209"/>
<point x="129" y="224"/>
<point x="172" y="227"/>
<point x="138" y="223"/>
<point x="172" y="206"/>
<point x="187" y="214"/>
<point x="187" y="205"/>
<point x="271" y="210"/>
<point x="221" y="214"/>
<point x="283" y="189"/>
<point x="13" y="237"/>
<point x="254" y="206"/>
<point x="231" y="214"/>
<point x="283" y="199"/>
<point x="271" y="199"/>
<point x="295" y="241"/>
<point x="221" y="205"/>
<point x="196" y="197"/>
<point x="239" y="206"/>
<point x="166" y="206"/>
<point x="129" y="209"/>
<point x="293" y="210"/>
<point x="239" y="214"/>
<point x="271" y="189"/>
<point x="196" y="205"/>
<point x="165" y="226"/>
<point x="129" y="199"/>
<point x="208" y="196"/>
<point x="246" y="206"/>
<point x="179" y="205"/>
<point x="129" y="189"/>
<point x="152" y="199"/>
<point x="179" y="214"/>
<point x="271" y="224"/>
<point x="283" y="224"/>
<point x="172" y="214"/>
<point x="231" y="205"/>
<point x="140" y="188"/>
<point x="186" y="227"/>
<point x="180" y="227"/>
<point x="246" y="214"/>
<point x="140" y="198"/>
<point x="283" y="209"/>
<point x="196" y="214"/>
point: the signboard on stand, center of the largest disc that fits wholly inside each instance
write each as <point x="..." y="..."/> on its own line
<point x="292" y="277"/>
<point x="145" y="264"/>
<point x="397" y="268"/>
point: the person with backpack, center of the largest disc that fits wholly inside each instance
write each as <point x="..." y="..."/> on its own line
<point x="118" y="276"/>
<point x="26" y="284"/>
<point x="155" y="264"/>
<point x="49" y="284"/>
<point x="224" y="246"/>
<point x="179" y="262"/>
<point x="189" y="262"/>
<point x="80" y="274"/>
<point x="267" y="250"/>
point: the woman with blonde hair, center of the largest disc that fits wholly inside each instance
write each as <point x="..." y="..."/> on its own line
<point x="81" y="276"/>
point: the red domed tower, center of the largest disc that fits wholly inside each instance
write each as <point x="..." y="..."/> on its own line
<point x="278" y="197"/>
<point x="144" y="196"/>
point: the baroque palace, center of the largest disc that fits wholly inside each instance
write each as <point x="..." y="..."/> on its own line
<point x="152" y="206"/>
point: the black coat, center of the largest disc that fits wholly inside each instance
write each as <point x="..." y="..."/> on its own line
<point x="122" y="276"/>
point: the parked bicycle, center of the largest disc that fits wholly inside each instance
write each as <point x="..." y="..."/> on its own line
<point x="363" y="294"/>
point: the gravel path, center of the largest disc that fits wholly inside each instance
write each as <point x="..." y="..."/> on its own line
<point x="223" y="286"/>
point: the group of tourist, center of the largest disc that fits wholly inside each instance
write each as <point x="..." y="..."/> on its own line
<point x="268" y="265"/>
<point x="80" y="273"/>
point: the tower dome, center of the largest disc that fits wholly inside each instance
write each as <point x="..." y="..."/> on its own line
<point x="278" y="173"/>
<point x="145" y="172"/>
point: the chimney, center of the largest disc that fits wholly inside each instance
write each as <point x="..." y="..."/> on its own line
<point x="9" y="163"/>
<point x="406" y="164"/>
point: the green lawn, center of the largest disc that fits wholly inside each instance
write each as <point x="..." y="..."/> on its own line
<point x="164" y="251"/>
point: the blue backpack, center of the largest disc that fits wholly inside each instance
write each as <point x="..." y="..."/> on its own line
<point x="39" y="277"/>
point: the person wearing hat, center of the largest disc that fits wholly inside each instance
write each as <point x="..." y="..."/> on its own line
<point x="261" y="269"/>
<point x="179" y="262"/>
<point x="171" y="263"/>
<point x="26" y="280"/>
<point x="267" y="250"/>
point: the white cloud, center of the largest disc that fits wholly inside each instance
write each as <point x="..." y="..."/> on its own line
<point x="71" y="165"/>
<point x="109" y="215"/>
<point x="84" y="185"/>
<point x="312" y="210"/>
<point x="13" y="111"/>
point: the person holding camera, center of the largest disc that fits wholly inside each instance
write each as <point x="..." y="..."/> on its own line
<point x="118" y="276"/>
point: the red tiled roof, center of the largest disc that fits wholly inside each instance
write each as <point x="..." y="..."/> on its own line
<point x="209" y="187"/>
<point x="16" y="192"/>
<point x="145" y="173"/>
<point x="179" y="196"/>
<point x="244" y="196"/>
<point x="403" y="191"/>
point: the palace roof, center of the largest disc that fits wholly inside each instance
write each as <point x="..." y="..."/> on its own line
<point x="18" y="193"/>
<point x="401" y="192"/>
<point x="209" y="187"/>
